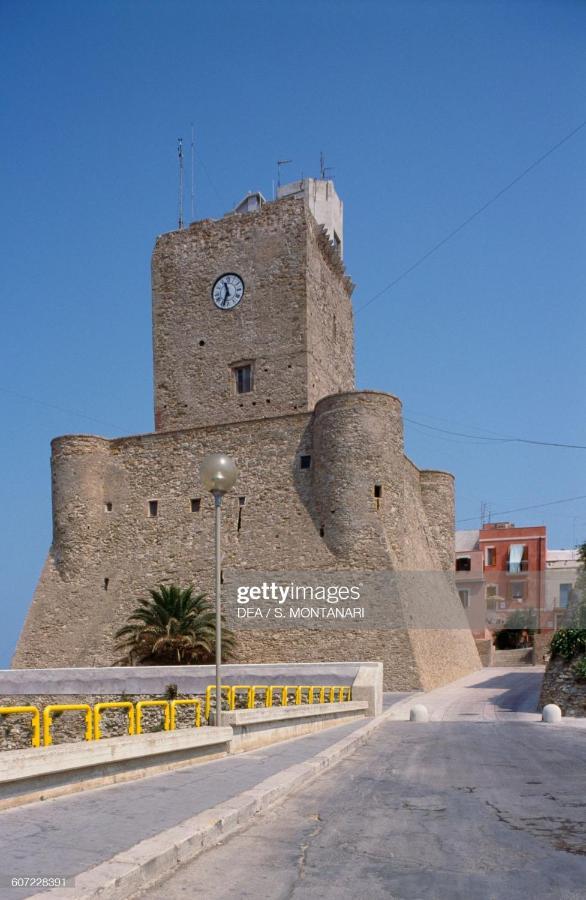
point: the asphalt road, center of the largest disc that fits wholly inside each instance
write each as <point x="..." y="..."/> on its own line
<point x="477" y="804"/>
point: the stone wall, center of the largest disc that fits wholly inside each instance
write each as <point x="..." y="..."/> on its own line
<point x="108" y="551"/>
<point x="561" y="686"/>
<point x="294" y="323"/>
<point x="485" y="649"/>
<point x="357" y="511"/>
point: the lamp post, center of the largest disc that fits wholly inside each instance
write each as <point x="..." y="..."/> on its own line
<point x="218" y="474"/>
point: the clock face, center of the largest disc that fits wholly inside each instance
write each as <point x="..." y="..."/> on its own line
<point x="228" y="291"/>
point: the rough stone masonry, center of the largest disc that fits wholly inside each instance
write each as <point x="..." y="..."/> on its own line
<point x="325" y="490"/>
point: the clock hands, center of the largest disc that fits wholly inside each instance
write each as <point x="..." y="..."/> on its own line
<point x="227" y="294"/>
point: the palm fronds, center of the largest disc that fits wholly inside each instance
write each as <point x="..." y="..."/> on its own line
<point x="173" y="626"/>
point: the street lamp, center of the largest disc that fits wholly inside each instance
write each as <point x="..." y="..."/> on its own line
<point x="218" y="474"/>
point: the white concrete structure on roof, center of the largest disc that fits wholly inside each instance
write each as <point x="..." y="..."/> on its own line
<point x="250" y="203"/>
<point x="324" y="204"/>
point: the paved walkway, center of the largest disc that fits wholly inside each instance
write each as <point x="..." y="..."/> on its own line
<point x="493" y="694"/>
<point x="481" y="803"/>
<point x="67" y="835"/>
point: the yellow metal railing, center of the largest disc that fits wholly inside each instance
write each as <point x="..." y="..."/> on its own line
<point x="260" y="687"/>
<point x="289" y="694"/>
<point x="119" y="704"/>
<point x="26" y="710"/>
<point x="282" y="688"/>
<point x="49" y="712"/>
<point x="236" y="688"/>
<point x="143" y="704"/>
<point x="321" y="693"/>
<point x="192" y="701"/>
<point x="211" y="689"/>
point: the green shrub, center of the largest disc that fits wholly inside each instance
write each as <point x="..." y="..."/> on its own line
<point x="580" y="670"/>
<point x="170" y="692"/>
<point x="568" y="642"/>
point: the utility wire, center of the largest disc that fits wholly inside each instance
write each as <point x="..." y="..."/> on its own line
<point x="505" y="512"/>
<point x="62" y="409"/>
<point x="474" y="215"/>
<point x="499" y="440"/>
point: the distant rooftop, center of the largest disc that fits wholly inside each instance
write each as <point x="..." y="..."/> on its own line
<point x="567" y="556"/>
<point x="467" y="540"/>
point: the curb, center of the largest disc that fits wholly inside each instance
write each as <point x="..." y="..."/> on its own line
<point x="136" y="868"/>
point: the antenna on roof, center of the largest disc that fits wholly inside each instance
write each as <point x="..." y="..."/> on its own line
<point x="281" y="162"/>
<point x="180" y="155"/>
<point x="484" y="515"/>
<point x="323" y="169"/>
<point x="192" y="194"/>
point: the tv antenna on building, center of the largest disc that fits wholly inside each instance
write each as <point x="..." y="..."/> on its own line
<point x="323" y="169"/>
<point x="281" y="162"/>
<point x="180" y="155"/>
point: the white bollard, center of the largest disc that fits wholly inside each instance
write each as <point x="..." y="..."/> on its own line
<point x="551" y="713"/>
<point x="419" y="713"/>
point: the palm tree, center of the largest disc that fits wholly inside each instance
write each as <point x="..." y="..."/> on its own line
<point x="173" y="626"/>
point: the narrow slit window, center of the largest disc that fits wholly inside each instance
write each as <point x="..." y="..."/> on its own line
<point x="241" y="501"/>
<point x="243" y="379"/>
<point x="195" y="504"/>
<point x="106" y="583"/>
<point x="304" y="461"/>
<point x="378" y="491"/>
<point x="239" y="519"/>
<point x="153" y="509"/>
<point x="108" y="506"/>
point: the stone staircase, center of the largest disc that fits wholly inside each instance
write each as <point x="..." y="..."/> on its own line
<point x="522" y="657"/>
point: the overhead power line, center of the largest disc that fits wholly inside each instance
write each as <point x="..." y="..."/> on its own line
<point x="481" y="438"/>
<point x="473" y="216"/>
<point x="61" y="409"/>
<point x="505" y="512"/>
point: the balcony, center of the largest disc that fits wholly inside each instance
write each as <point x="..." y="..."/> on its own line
<point x="515" y="568"/>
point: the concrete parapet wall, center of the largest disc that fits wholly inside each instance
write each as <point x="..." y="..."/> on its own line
<point x="194" y="679"/>
<point x="39" y="773"/>
<point x="259" y="727"/>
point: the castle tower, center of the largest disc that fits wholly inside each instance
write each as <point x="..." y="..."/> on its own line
<point x="249" y="319"/>
<point x="254" y="356"/>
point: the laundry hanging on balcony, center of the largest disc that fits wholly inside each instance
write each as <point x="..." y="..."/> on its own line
<point x="516" y="552"/>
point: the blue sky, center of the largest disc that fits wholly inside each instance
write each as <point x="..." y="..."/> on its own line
<point x="425" y="110"/>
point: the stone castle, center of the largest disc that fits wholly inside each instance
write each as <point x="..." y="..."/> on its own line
<point x="254" y="357"/>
